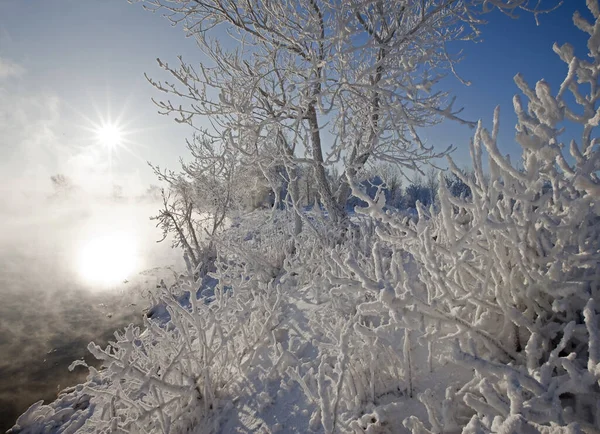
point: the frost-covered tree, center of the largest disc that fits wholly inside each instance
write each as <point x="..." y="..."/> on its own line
<point x="456" y="184"/>
<point x="365" y="72"/>
<point x="392" y="177"/>
<point x="199" y="199"/>
<point x="432" y="184"/>
<point x="62" y="185"/>
<point x="153" y="193"/>
<point x="416" y="192"/>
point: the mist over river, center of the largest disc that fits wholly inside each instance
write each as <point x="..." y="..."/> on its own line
<point x="70" y="272"/>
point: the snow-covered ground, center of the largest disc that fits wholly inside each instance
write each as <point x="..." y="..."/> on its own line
<point x="284" y="343"/>
<point x="281" y="367"/>
<point x="277" y="346"/>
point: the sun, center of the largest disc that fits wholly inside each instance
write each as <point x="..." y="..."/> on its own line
<point x="108" y="259"/>
<point x="109" y="135"/>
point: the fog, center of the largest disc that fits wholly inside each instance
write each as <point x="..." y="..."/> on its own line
<point x="50" y="307"/>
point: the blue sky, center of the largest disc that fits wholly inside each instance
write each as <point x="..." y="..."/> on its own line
<point x="67" y="64"/>
<point x="509" y="46"/>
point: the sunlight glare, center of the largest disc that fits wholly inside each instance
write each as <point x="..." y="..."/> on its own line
<point x="109" y="135"/>
<point x="108" y="260"/>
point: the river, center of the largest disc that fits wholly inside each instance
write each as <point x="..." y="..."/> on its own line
<point x="70" y="272"/>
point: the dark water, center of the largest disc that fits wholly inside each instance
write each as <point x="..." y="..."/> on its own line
<point x="39" y="341"/>
<point x="48" y="313"/>
<point x="41" y="374"/>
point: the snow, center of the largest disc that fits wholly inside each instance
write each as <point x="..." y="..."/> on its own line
<point x="299" y="359"/>
<point x="294" y="372"/>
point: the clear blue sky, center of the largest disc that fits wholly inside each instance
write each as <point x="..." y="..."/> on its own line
<point x="508" y="47"/>
<point x="66" y="64"/>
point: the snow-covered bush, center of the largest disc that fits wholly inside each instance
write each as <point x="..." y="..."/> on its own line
<point x="180" y="372"/>
<point x="509" y="274"/>
<point x="256" y="245"/>
<point x="351" y="370"/>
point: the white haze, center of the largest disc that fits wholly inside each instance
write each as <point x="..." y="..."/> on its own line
<point x="49" y="310"/>
<point x="50" y="306"/>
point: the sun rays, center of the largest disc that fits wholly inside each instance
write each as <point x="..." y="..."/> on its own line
<point x="108" y="134"/>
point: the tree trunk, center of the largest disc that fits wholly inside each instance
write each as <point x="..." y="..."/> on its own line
<point x="297" y="217"/>
<point x="336" y="213"/>
<point x="294" y="193"/>
<point x="351" y="171"/>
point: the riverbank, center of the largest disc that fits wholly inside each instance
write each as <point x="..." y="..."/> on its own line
<point x="48" y="313"/>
